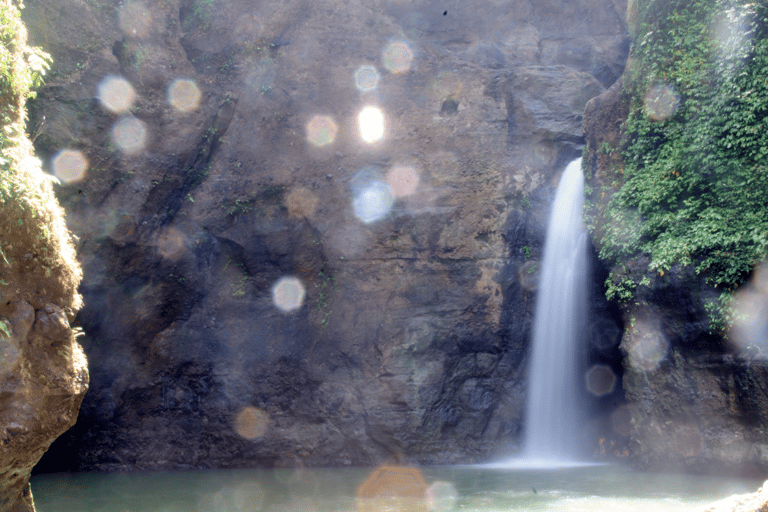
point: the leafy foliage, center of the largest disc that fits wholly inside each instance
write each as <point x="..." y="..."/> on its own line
<point x="694" y="188"/>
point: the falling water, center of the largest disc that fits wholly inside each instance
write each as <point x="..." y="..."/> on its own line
<point x="553" y="412"/>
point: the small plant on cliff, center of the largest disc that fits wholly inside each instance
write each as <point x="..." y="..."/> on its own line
<point x="693" y="190"/>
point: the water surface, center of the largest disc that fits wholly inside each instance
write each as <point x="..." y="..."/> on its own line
<point x="593" y="489"/>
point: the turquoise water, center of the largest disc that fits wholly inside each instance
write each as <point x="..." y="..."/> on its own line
<point x="470" y="488"/>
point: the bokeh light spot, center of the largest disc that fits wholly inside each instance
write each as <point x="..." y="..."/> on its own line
<point x="184" y="95"/>
<point x="688" y="440"/>
<point x="441" y="496"/>
<point x="374" y="202"/>
<point x="135" y="19"/>
<point x="749" y="330"/>
<point x="251" y="422"/>
<point x="370" y="122"/>
<point x="621" y="420"/>
<point x="116" y="94"/>
<point x="366" y="78"/>
<point x="129" y="134"/>
<point x="600" y="380"/>
<point x="322" y="130"/>
<point x="171" y="243"/>
<point x="397" y="57"/>
<point x="392" y="488"/>
<point x="403" y="180"/>
<point x="69" y="165"/>
<point x="288" y="294"/>
<point x="661" y="102"/>
<point x="301" y="203"/>
<point x="646" y="345"/>
<point x="248" y="496"/>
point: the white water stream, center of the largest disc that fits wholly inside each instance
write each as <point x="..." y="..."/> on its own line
<point x="553" y="415"/>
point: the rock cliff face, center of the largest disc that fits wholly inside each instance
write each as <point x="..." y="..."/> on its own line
<point x="224" y="153"/>
<point x="696" y="402"/>
<point x="43" y="370"/>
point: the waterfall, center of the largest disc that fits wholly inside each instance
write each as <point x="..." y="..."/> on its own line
<point x="552" y="430"/>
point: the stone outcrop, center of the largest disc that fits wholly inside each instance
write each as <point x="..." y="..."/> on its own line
<point x="755" y="502"/>
<point x="43" y="370"/>
<point x="411" y="340"/>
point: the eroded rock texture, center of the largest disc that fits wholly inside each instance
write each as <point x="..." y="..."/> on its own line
<point x="411" y="340"/>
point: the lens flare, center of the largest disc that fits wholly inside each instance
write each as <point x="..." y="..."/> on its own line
<point x="116" y="94"/>
<point x="288" y="294"/>
<point x="621" y="420"/>
<point x="646" y="346"/>
<point x="403" y="180"/>
<point x="248" y="496"/>
<point x="373" y="203"/>
<point x="750" y="306"/>
<point x="69" y="165"/>
<point x="370" y="122"/>
<point x="129" y="134"/>
<point x="661" y="102"/>
<point x="251" y="422"/>
<point x="392" y="488"/>
<point x="600" y="380"/>
<point x="301" y="203"/>
<point x="322" y="130"/>
<point x="171" y="243"/>
<point x="441" y="496"/>
<point x="135" y="19"/>
<point x="366" y="78"/>
<point x="184" y="95"/>
<point x="397" y="57"/>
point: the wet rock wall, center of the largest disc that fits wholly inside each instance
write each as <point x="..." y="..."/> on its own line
<point x="222" y="150"/>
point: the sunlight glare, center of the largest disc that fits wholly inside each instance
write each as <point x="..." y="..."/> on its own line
<point x="69" y="165"/>
<point x="373" y="203"/>
<point x="397" y="57"/>
<point x="322" y="130"/>
<point x="135" y="19"/>
<point x="301" y="203"/>
<point x="750" y="313"/>
<point x="647" y="346"/>
<point x="116" y="94"/>
<point x="441" y="496"/>
<point x="661" y="102"/>
<point x="370" y="122"/>
<point x="288" y="294"/>
<point x="600" y="380"/>
<point x="184" y="95"/>
<point x="129" y="134"/>
<point x="403" y="180"/>
<point x="251" y="422"/>
<point x="366" y="78"/>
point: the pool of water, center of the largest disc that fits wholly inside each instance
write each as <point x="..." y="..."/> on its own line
<point x="465" y="488"/>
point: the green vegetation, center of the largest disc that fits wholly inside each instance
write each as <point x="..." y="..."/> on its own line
<point x="35" y="246"/>
<point x="694" y="187"/>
